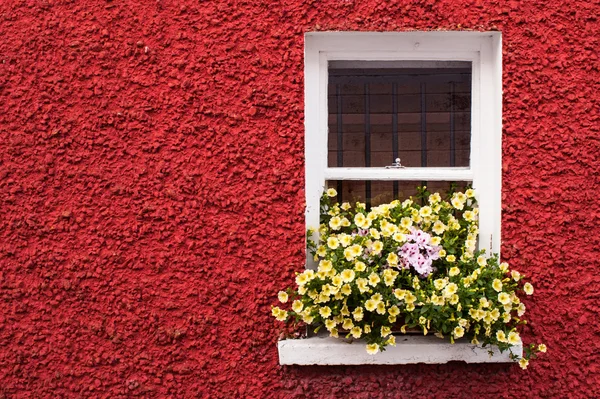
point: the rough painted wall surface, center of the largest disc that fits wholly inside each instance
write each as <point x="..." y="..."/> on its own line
<point x="151" y="195"/>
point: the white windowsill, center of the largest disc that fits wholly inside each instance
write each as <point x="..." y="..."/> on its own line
<point x="409" y="349"/>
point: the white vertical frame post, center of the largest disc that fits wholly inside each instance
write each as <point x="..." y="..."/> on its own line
<point x="482" y="49"/>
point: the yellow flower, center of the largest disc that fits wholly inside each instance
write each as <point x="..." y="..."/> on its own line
<point x="329" y="324"/>
<point x="425" y="211"/>
<point x="307" y="318"/>
<point x="345" y="206"/>
<point x="410" y="307"/>
<point x="360" y="266"/>
<point x="282" y="296"/>
<point x="454" y="271"/>
<point x="470" y="193"/>
<point x="528" y="288"/>
<point x="501" y="336"/>
<point x="344" y="310"/>
<point x="301" y="279"/>
<point x="331" y="192"/>
<point x="358" y="314"/>
<point x="542" y="348"/>
<point x="375" y="234"/>
<point x="392" y="259"/>
<point x="451" y="258"/>
<point x="440" y="283"/>
<point x="399" y="237"/>
<point x="506" y="318"/>
<point x="325" y="266"/>
<point x="333" y="243"/>
<point x="454" y="300"/>
<point x="385" y="331"/>
<point x="439" y="228"/>
<point x="515" y="275"/>
<point x="345" y="222"/>
<point x="435" y="198"/>
<point x="377" y="247"/>
<point x="442" y="253"/>
<point x="504" y="298"/>
<point x="458" y="332"/>
<point x="374" y="279"/>
<point x="348" y="324"/>
<point x="367" y="329"/>
<point x="336" y="280"/>
<point x="458" y="204"/>
<point x="346" y="289"/>
<point x="391" y="341"/>
<point x="333" y="333"/>
<point x="335" y="223"/>
<point x="523" y="363"/>
<point x="297" y="306"/>
<point x="436" y="240"/>
<point x="370" y="305"/>
<point x="377" y="297"/>
<point x="361" y="283"/>
<point x="399" y="294"/>
<point x="469" y="216"/>
<point x="410" y="298"/>
<point x="481" y="261"/>
<point x="497" y="285"/>
<point x="361" y="221"/>
<point x="345" y="239"/>
<point x="450" y="290"/>
<point x="325" y="312"/>
<point x="514" y="338"/>
<point x="347" y="275"/>
<point x="381" y="308"/>
<point x="504" y="267"/>
<point x="372" y="349"/>
<point x="356" y="332"/>
<point x="394" y="311"/>
<point x="405" y="222"/>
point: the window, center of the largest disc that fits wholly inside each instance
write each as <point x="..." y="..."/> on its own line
<point x="432" y="99"/>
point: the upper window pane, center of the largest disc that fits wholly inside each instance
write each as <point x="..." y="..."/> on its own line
<point x="419" y="111"/>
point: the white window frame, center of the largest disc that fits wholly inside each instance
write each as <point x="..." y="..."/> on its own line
<point x="482" y="49"/>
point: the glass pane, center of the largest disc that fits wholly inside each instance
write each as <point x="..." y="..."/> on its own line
<point x="376" y="192"/>
<point x="419" y="112"/>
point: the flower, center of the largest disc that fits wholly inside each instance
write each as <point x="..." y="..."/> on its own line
<point x="451" y="258"/>
<point x="514" y="338"/>
<point x="333" y="242"/>
<point x="325" y="312"/>
<point x="501" y="336"/>
<point x="454" y="271"/>
<point x="439" y="228"/>
<point x="356" y="332"/>
<point x="504" y="298"/>
<point x="331" y="192"/>
<point x="374" y="279"/>
<point x="372" y="349"/>
<point x="358" y="314"/>
<point x="458" y="332"/>
<point x="528" y="288"/>
<point x="523" y="363"/>
<point x="335" y="223"/>
<point x="515" y="275"/>
<point x="542" y="348"/>
<point x="370" y="305"/>
<point x="282" y="296"/>
<point x="297" y="306"/>
<point x="497" y="285"/>
<point x="385" y="331"/>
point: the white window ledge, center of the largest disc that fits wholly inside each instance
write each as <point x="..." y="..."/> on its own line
<point x="409" y="349"/>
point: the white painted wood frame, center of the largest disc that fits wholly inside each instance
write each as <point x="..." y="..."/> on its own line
<point x="481" y="49"/>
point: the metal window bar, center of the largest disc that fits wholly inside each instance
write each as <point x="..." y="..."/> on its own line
<point x="367" y="143"/>
<point x="423" y="130"/>
<point x="395" y="132"/>
<point x="340" y="139"/>
<point x="452" y="127"/>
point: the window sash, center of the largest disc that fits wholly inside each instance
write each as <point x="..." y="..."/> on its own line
<point x="482" y="49"/>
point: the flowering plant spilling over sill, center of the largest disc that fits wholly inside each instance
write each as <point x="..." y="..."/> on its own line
<point x="405" y="265"/>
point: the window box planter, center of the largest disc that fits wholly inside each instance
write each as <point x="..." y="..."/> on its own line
<point x="409" y="349"/>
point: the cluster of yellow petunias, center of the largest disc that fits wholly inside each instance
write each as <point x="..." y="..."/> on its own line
<point x="365" y="286"/>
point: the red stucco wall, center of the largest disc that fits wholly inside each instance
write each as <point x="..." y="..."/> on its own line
<point x="151" y="189"/>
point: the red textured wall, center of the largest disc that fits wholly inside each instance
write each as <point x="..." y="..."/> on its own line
<point x="151" y="189"/>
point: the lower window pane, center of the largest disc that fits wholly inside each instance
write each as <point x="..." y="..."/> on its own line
<point x="376" y="192"/>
